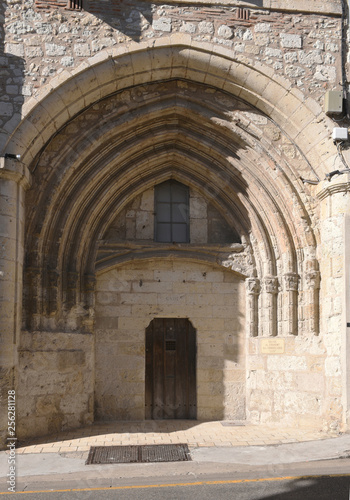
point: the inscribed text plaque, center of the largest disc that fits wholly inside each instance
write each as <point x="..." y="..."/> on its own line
<point x="272" y="346"/>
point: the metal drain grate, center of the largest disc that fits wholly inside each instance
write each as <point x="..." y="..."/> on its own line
<point x="138" y="454"/>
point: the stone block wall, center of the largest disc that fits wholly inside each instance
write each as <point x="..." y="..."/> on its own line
<point x="288" y="387"/>
<point x="55" y="383"/>
<point x="129" y="297"/>
<point x="333" y="253"/>
<point x="307" y="384"/>
<point x="14" y="180"/>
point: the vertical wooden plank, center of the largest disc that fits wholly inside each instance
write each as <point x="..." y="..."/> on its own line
<point x="192" y="369"/>
<point x="169" y="356"/>
<point x="149" y="372"/>
<point x="158" y="369"/>
<point x="181" y="370"/>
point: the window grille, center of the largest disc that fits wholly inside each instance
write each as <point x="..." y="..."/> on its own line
<point x="171" y="201"/>
<point x="170" y="345"/>
<point x="75" y="4"/>
<point x="242" y="14"/>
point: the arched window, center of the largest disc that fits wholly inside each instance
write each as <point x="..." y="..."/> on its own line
<point x="171" y="203"/>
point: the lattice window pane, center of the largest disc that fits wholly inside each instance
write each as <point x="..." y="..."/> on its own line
<point x="171" y="212"/>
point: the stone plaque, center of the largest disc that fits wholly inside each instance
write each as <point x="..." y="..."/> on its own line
<point x="272" y="346"/>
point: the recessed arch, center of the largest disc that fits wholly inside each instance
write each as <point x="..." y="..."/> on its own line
<point x="166" y="59"/>
<point x="162" y="146"/>
<point x="181" y="128"/>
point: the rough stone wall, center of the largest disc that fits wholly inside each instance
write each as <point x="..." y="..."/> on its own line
<point x="127" y="300"/>
<point x="43" y="40"/>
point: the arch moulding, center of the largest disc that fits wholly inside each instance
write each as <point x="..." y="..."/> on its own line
<point x="173" y="57"/>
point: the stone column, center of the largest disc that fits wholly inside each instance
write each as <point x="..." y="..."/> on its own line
<point x="312" y="279"/>
<point x="14" y="180"/>
<point x="334" y="227"/>
<point x="53" y="291"/>
<point x="270" y="306"/>
<point x="345" y="336"/>
<point x="253" y="291"/>
<point x="32" y="298"/>
<point x="291" y="281"/>
<point x="71" y="294"/>
<point x="89" y="301"/>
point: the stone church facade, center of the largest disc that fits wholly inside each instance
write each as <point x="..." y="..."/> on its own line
<point x="174" y="238"/>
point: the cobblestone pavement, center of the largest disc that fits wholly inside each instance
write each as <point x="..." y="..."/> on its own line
<point x="194" y="433"/>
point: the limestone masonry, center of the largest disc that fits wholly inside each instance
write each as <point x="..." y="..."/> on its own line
<point x="174" y="212"/>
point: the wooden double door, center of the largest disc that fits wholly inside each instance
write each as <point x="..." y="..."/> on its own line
<point x="171" y="369"/>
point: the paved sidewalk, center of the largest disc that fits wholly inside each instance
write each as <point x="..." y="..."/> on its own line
<point x="195" y="434"/>
<point x="216" y="448"/>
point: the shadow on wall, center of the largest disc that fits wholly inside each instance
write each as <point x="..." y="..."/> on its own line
<point x="128" y="17"/>
<point x="132" y="18"/>
<point x="12" y="88"/>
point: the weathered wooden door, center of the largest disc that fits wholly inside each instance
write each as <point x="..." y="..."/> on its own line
<point x="170" y="369"/>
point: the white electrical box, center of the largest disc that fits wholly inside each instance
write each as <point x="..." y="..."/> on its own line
<point x="340" y="134"/>
<point x="333" y="102"/>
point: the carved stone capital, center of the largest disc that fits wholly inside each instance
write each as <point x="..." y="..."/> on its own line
<point x="89" y="282"/>
<point x="313" y="279"/>
<point x="253" y="286"/>
<point x="270" y="284"/>
<point x="291" y="282"/>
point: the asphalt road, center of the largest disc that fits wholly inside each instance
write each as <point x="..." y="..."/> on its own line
<point x="282" y="488"/>
<point x="312" y="480"/>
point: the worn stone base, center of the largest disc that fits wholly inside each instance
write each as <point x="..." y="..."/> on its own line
<point x="291" y="387"/>
<point x="55" y="383"/>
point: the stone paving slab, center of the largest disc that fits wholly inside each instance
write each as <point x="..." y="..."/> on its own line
<point x="194" y="433"/>
<point x="213" y="447"/>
